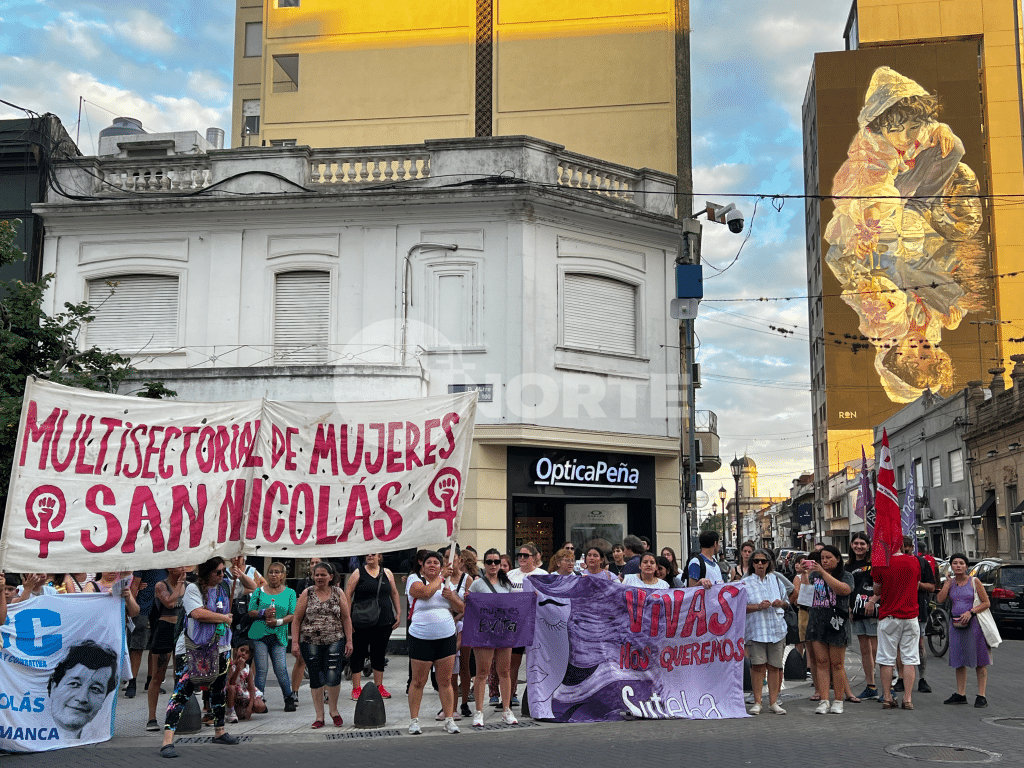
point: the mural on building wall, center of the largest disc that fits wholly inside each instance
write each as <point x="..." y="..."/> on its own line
<point x="906" y="246"/>
<point x="904" y="240"/>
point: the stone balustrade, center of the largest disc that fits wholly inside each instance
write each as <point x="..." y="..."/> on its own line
<point x="380" y="165"/>
<point x="163" y="174"/>
<point x="435" y="163"/>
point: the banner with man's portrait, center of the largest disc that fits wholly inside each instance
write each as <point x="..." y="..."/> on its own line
<point x="62" y="661"/>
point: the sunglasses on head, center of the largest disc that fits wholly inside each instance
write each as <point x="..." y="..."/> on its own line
<point x="492" y="562"/>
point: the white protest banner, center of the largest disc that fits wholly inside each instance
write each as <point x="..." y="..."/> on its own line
<point x="104" y="482"/>
<point x="61" y="660"/>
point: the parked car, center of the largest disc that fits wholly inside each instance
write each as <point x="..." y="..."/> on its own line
<point x="1004" y="581"/>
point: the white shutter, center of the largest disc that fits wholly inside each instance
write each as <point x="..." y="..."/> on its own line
<point x="599" y="313"/>
<point x="302" y="315"/>
<point x="141" y="313"/>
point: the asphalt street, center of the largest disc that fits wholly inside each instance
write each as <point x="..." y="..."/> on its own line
<point x="865" y="733"/>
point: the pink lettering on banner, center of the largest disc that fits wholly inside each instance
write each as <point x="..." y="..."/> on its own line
<point x="107" y="482"/>
<point x="628" y="637"/>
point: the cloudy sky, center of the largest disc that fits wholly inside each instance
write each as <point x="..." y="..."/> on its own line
<point x="169" y="64"/>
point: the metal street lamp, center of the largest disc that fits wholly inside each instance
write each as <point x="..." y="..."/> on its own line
<point x="722" y="493"/>
<point x="736" y="466"/>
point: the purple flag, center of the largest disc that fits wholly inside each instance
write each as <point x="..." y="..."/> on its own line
<point x="864" y="497"/>
<point x="605" y="652"/>
<point x="499" y="620"/>
<point x="908" y="515"/>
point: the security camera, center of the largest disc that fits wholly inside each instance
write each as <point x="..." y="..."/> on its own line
<point x="735" y="221"/>
<point x="724" y="214"/>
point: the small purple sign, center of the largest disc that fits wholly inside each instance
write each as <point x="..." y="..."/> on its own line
<point x="499" y="620"/>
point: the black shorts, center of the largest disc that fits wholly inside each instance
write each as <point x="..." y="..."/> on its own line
<point x="519" y="651"/>
<point x="431" y="650"/>
<point x="163" y="637"/>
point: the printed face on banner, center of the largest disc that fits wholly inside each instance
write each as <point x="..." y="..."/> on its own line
<point x="62" y="661"/>
<point x="102" y="481"/>
<point x="601" y="649"/>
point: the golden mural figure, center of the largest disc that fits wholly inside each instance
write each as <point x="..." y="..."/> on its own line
<point x="904" y="241"/>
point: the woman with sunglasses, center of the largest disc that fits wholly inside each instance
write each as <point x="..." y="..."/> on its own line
<point x="528" y="557"/>
<point x="493" y="581"/>
<point x="768" y="593"/>
<point x="205" y="602"/>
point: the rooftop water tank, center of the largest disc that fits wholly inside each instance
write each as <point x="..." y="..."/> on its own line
<point x="123" y="126"/>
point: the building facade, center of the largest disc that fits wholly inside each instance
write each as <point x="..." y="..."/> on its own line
<point x="943" y="259"/>
<point x="993" y="438"/>
<point x="609" y="79"/>
<point x="926" y="441"/>
<point x="347" y="274"/>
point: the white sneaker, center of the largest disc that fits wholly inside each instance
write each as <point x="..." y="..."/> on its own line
<point x="414" y="726"/>
<point x="776" y="709"/>
<point x="450" y="726"/>
<point x="756" y="709"/>
<point x="823" y="707"/>
<point x="232" y="717"/>
<point x="478" y="719"/>
<point x="508" y="718"/>
<point x="837" y="707"/>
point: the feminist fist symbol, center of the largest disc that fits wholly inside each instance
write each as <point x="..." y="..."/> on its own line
<point x="45" y="509"/>
<point x="444" y="492"/>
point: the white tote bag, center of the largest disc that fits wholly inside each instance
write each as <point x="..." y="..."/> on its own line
<point x="988" y="624"/>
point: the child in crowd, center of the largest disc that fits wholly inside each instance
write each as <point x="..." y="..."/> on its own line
<point x="242" y="697"/>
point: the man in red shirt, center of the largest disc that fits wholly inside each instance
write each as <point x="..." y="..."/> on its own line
<point x="895" y="588"/>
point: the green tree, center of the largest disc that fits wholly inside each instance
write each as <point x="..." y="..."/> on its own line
<point x="33" y="343"/>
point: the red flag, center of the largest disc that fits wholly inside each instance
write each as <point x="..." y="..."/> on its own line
<point x="888" y="537"/>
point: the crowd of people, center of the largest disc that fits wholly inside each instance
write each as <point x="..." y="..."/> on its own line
<point x="226" y="625"/>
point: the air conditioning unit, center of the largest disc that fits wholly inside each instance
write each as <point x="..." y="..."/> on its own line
<point x="952" y="507"/>
<point x="926" y="513"/>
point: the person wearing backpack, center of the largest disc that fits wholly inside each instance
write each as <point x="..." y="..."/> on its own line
<point x="702" y="569"/>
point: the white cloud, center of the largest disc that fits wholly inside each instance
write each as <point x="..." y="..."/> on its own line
<point x="83" y="36"/>
<point x="144" y="30"/>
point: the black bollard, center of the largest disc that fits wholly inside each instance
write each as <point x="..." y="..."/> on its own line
<point x="370" y="709"/>
<point x="525" y="711"/>
<point x="746" y="674"/>
<point x="191" y="720"/>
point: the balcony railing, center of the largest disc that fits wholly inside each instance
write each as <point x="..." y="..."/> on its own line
<point x="706" y="421"/>
<point x="445" y="162"/>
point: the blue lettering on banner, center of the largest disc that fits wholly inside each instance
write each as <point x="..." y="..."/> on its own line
<point x="28" y="734"/>
<point x="25" y="633"/>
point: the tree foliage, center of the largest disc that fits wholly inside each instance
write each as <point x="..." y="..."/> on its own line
<point x="49" y="347"/>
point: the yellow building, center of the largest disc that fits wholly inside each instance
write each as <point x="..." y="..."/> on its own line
<point x="600" y="77"/>
<point x="968" y="53"/>
<point x="608" y="79"/>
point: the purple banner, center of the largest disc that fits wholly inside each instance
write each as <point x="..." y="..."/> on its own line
<point x="604" y="652"/>
<point x="499" y="620"/>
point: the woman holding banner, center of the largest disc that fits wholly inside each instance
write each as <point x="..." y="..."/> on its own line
<point x="432" y="638"/>
<point x="202" y="651"/>
<point x="496" y="581"/>
<point x="648" y="576"/>
<point x="594" y="562"/>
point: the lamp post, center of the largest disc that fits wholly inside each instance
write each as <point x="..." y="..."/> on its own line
<point x="736" y="466"/>
<point x="722" y="493"/>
